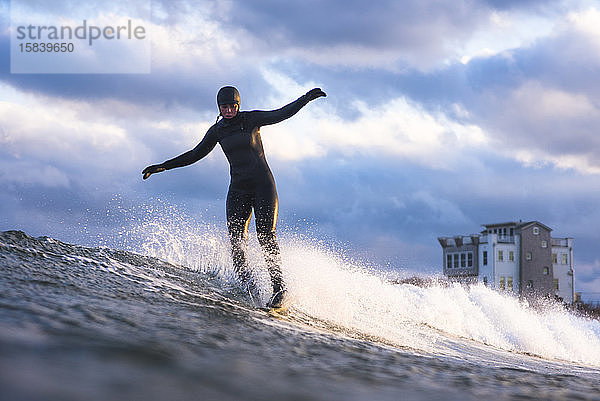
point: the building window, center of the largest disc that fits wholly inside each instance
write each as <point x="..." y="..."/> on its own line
<point x="536" y="231"/>
<point x="485" y="258"/>
<point x="556" y="284"/>
<point x="564" y="258"/>
<point x="470" y="259"/>
<point x="512" y="232"/>
<point x="511" y="256"/>
<point x="509" y="283"/>
<point x="456" y="260"/>
<point x="544" y="244"/>
<point x="500" y="256"/>
<point x="528" y="256"/>
<point x="463" y="260"/>
<point x="502" y="282"/>
<point x="554" y="258"/>
<point x="449" y="261"/>
<point x="546" y="271"/>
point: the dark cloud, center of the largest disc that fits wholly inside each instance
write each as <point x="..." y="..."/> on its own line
<point x="378" y="197"/>
<point x="540" y="98"/>
<point x="165" y="87"/>
<point x="567" y="61"/>
<point x="521" y="4"/>
<point x="364" y="203"/>
<point x="510" y="95"/>
<point x="409" y="28"/>
<point x="384" y="24"/>
<point x="369" y="201"/>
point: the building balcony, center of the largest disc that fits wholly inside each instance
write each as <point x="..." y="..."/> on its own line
<point x="506" y="239"/>
<point x="559" y="242"/>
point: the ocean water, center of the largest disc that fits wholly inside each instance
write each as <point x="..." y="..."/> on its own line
<point x="164" y="318"/>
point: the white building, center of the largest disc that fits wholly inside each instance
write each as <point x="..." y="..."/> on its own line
<point x="516" y="257"/>
<point x="562" y="267"/>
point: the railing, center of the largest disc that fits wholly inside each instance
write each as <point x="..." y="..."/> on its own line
<point x="507" y="239"/>
<point x="484" y="239"/>
<point x="559" y="242"/>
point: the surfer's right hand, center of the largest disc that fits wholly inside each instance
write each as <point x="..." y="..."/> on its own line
<point x="155" y="168"/>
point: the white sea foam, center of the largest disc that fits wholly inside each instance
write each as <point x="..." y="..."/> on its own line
<point x="327" y="287"/>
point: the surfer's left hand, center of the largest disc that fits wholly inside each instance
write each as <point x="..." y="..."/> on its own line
<point x="314" y="94"/>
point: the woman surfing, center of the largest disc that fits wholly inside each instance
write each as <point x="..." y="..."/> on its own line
<point x="252" y="187"/>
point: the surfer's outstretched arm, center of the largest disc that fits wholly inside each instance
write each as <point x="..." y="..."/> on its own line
<point x="207" y="144"/>
<point x="287" y="111"/>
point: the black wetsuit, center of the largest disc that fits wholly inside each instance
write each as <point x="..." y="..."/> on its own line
<point x="252" y="185"/>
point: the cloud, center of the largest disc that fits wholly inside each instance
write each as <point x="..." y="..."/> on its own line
<point x="539" y="103"/>
<point x="401" y="129"/>
<point x="541" y="124"/>
<point x="96" y="37"/>
<point x="190" y="54"/>
<point x="439" y="117"/>
<point x="89" y="143"/>
<point x="586" y="22"/>
<point x="61" y="130"/>
<point x="504" y="31"/>
<point x="587" y="280"/>
<point x="25" y="173"/>
<point x="398" y="127"/>
<point x="386" y="35"/>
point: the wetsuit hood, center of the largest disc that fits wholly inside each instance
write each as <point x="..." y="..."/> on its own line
<point x="228" y="95"/>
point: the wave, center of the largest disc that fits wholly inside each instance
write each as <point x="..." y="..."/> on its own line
<point x="334" y="291"/>
<point x="329" y="292"/>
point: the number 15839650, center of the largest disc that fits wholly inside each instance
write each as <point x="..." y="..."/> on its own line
<point x="44" y="47"/>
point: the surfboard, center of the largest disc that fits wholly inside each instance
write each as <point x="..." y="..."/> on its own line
<point x="278" y="312"/>
<point x="283" y="311"/>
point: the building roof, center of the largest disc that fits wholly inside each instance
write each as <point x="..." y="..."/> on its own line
<point x="508" y="223"/>
<point x="519" y="224"/>
<point x="530" y="223"/>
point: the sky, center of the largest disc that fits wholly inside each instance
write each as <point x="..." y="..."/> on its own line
<point x="440" y="116"/>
